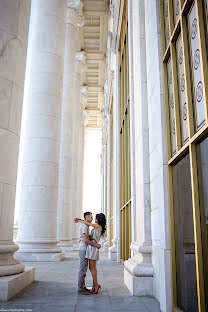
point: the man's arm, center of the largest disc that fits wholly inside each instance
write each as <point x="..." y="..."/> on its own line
<point x="87" y="241"/>
<point x="95" y="225"/>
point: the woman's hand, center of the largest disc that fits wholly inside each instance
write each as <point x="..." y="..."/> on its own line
<point x="76" y="220"/>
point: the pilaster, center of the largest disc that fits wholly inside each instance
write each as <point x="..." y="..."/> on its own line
<point x="138" y="270"/>
<point x="114" y="251"/>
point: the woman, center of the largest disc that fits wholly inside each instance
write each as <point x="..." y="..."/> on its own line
<point x="92" y="253"/>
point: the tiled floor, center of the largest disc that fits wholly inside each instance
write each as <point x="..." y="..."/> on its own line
<point x="55" y="289"/>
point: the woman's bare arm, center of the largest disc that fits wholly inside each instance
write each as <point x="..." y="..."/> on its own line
<point x="77" y="220"/>
<point x="95" y="225"/>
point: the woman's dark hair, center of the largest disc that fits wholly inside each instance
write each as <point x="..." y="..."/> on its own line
<point x="101" y="221"/>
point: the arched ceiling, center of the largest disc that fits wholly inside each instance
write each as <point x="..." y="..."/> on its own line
<point x="94" y="41"/>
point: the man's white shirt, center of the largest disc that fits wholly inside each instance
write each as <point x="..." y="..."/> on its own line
<point x="83" y="229"/>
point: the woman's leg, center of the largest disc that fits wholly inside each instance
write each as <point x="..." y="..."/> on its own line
<point x="90" y="267"/>
<point x="93" y="269"/>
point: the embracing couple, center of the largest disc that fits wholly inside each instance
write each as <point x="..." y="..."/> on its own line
<point x="89" y="249"/>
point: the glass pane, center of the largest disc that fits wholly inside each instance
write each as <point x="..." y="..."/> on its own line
<point x="196" y="69"/>
<point x="171" y="107"/>
<point x="185" y="245"/>
<point x="182" y="90"/>
<point x="202" y="163"/>
<point x="176" y="8"/>
<point x="167" y="27"/>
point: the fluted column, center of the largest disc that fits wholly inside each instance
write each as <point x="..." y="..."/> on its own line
<point x="14" y="26"/>
<point x="39" y="190"/>
<point x="65" y="223"/>
<point x="76" y="204"/>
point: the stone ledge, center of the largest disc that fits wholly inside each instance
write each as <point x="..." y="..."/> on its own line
<point x="36" y="257"/>
<point x="11" y="285"/>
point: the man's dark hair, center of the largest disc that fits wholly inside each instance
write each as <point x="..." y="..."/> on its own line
<point x="87" y="213"/>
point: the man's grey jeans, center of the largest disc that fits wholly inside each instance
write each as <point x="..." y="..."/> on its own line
<point x="82" y="269"/>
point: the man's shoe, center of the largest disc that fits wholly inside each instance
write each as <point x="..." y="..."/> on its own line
<point x="83" y="292"/>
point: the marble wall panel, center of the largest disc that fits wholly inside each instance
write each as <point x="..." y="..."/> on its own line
<point x="8" y="165"/>
<point x="7" y="212"/>
<point x="5" y="101"/>
<point x="15" y="117"/>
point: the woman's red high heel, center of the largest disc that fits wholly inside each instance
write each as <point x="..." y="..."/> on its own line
<point x="96" y="292"/>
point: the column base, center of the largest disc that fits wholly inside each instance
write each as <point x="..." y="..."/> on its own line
<point x="106" y="246"/>
<point x="138" y="271"/>
<point x="39" y="257"/>
<point x="8" y="264"/>
<point x="112" y="253"/>
<point x="13" y="284"/>
<point x="75" y="245"/>
<point x="65" y="246"/>
<point x="138" y="285"/>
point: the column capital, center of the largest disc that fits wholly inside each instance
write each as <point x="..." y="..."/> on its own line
<point x="81" y="57"/>
<point x="83" y="95"/>
<point x="80" y="61"/>
<point x="75" y="14"/>
<point x="85" y="114"/>
<point x="83" y="90"/>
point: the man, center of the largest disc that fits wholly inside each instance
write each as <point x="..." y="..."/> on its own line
<point x="83" y="242"/>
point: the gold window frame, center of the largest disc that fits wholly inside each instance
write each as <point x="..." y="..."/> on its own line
<point x="125" y="163"/>
<point x="169" y="50"/>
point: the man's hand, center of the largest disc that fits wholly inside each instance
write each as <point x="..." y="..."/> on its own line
<point x="98" y="246"/>
<point x="76" y="220"/>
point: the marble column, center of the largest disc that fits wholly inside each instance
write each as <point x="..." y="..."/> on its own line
<point x="114" y="251"/>
<point x="83" y="113"/>
<point x="138" y="270"/>
<point x="14" y="26"/>
<point x="102" y="180"/>
<point x="108" y="179"/>
<point x="104" y="177"/>
<point x="77" y="120"/>
<point x="65" y="222"/>
<point x="39" y="190"/>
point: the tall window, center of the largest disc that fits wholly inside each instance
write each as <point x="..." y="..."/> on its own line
<point x="184" y="48"/>
<point x="125" y="176"/>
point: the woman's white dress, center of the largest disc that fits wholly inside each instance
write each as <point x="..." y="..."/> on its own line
<point x="92" y="252"/>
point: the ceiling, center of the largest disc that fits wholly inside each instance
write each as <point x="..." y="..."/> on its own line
<point x="93" y="42"/>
